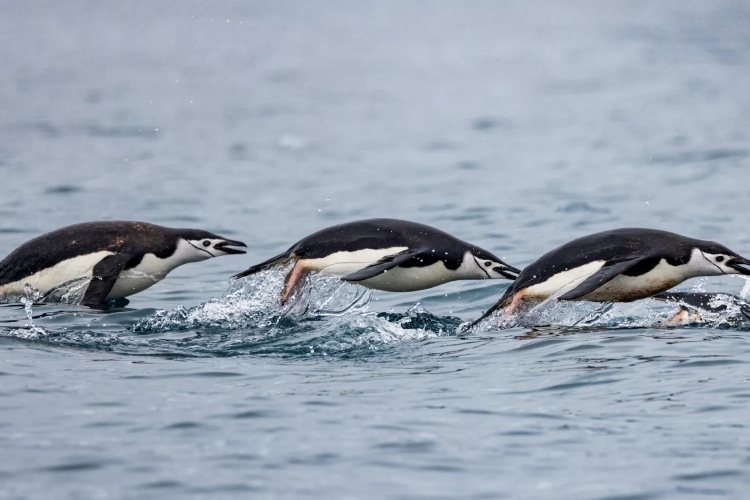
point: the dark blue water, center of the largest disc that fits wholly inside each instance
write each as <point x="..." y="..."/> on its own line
<point x="514" y="126"/>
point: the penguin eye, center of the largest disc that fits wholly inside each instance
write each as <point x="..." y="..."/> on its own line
<point x="720" y="258"/>
<point x="487" y="264"/>
<point x="206" y="243"/>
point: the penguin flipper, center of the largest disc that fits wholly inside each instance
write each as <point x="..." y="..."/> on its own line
<point x="381" y="266"/>
<point x="105" y="274"/>
<point x="601" y="277"/>
<point x="282" y="257"/>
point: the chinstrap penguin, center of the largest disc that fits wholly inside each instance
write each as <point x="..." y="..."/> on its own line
<point x="620" y="265"/>
<point x="118" y="258"/>
<point x="694" y="304"/>
<point x="387" y="254"/>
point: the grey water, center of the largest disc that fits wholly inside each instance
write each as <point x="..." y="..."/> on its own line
<point x="516" y="126"/>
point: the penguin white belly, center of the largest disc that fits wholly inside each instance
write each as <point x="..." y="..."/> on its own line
<point x="628" y="288"/>
<point x="147" y="273"/>
<point x="409" y="279"/>
<point x="343" y="263"/>
<point x="66" y="271"/>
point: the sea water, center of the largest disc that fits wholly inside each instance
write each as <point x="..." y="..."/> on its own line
<point x="516" y="126"/>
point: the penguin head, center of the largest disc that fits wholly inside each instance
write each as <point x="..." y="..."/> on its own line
<point x="194" y="245"/>
<point x="718" y="259"/>
<point x="482" y="264"/>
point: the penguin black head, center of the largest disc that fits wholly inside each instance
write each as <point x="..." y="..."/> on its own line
<point x="488" y="265"/>
<point x="196" y="244"/>
<point x="722" y="260"/>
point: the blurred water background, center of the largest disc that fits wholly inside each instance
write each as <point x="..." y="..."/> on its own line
<point x="517" y="126"/>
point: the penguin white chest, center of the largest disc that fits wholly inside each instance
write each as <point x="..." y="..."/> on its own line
<point x="409" y="279"/>
<point x="624" y="288"/>
<point x="147" y="273"/>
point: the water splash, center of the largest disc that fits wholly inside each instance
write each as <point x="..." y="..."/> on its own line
<point x="338" y="311"/>
<point x="255" y="302"/>
<point x="30" y="330"/>
<point x="327" y="317"/>
<point x="723" y="311"/>
<point x="70" y="292"/>
<point x="713" y="310"/>
<point x="548" y="312"/>
<point x="745" y="289"/>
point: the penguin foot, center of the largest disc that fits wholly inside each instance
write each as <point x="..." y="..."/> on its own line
<point x="293" y="279"/>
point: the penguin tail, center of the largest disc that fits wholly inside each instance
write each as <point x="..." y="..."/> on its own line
<point x="264" y="265"/>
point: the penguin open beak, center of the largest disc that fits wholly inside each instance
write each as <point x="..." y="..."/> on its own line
<point x="509" y="272"/>
<point x="741" y="264"/>
<point x="225" y="245"/>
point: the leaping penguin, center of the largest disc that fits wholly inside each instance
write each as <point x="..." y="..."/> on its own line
<point x="620" y="265"/>
<point x="387" y="254"/>
<point x="118" y="258"/>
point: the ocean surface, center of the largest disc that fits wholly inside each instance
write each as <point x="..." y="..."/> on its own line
<point x="517" y="126"/>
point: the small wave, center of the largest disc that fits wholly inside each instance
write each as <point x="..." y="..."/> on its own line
<point x="581" y="206"/>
